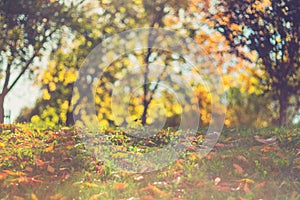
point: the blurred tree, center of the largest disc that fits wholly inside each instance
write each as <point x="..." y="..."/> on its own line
<point x="271" y="29"/>
<point x="27" y="28"/>
<point x="249" y="110"/>
<point x="148" y="101"/>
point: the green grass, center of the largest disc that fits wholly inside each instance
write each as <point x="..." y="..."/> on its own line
<point x="54" y="164"/>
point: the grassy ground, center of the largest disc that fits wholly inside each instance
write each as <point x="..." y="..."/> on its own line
<point x="244" y="164"/>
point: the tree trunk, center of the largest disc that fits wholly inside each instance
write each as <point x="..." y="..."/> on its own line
<point x="283" y="104"/>
<point x="144" y="115"/>
<point x="1" y="108"/>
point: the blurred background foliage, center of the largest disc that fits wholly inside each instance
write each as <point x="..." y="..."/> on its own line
<point x="252" y="101"/>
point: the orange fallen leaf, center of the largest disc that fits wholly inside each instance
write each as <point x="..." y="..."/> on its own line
<point x="3" y="176"/>
<point x="192" y="148"/>
<point x="97" y="196"/>
<point x="58" y="196"/>
<point x="238" y="168"/>
<point x="269" y="148"/>
<point x="50" y="169"/>
<point x="34" y="197"/>
<point x="260" y="185"/>
<point x="220" y="145"/>
<point x="242" y="158"/>
<point x="39" y="163"/>
<point x="147" y="197"/>
<point x="155" y="190"/>
<point x="222" y="188"/>
<point x="50" y="148"/>
<point x="120" y="186"/>
<point x="247" y="180"/>
<point x="210" y="155"/>
<point x="18" y="198"/>
<point x="28" y="169"/>
<point x="246" y="188"/>
<point x="17" y="173"/>
<point x="200" y="184"/>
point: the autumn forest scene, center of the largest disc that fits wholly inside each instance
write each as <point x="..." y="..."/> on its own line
<point x="144" y="100"/>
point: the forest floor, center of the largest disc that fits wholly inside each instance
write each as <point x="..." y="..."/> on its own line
<point x="244" y="164"/>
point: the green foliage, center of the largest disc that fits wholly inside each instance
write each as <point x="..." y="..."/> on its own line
<point x="250" y="110"/>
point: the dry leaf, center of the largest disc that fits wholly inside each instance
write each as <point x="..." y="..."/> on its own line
<point x="270" y="140"/>
<point x="238" y="168"/>
<point x="120" y="186"/>
<point x="139" y="178"/>
<point x="17" y="173"/>
<point x="50" y="148"/>
<point x="260" y="185"/>
<point x="200" y="184"/>
<point x="39" y="163"/>
<point x="3" y="176"/>
<point x="192" y="148"/>
<point x="247" y="180"/>
<point x="34" y="197"/>
<point x="28" y="169"/>
<point x="155" y="190"/>
<point x="58" y="196"/>
<point x="217" y="180"/>
<point x="147" y="197"/>
<point x="246" y="188"/>
<point x="18" y="198"/>
<point x="222" y="188"/>
<point x="97" y="196"/>
<point x="50" y="169"/>
<point x="242" y="158"/>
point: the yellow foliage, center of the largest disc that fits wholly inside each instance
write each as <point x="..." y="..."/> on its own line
<point x="52" y="86"/>
<point x="46" y="95"/>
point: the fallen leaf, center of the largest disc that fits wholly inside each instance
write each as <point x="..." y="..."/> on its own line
<point x="120" y="186"/>
<point x="238" y="168"/>
<point x="3" y="176"/>
<point x="219" y="145"/>
<point x="39" y="163"/>
<point x="217" y="181"/>
<point x="210" y="155"/>
<point x="260" y="185"/>
<point x="17" y="173"/>
<point x="222" y="188"/>
<point x="228" y="139"/>
<point x="192" y="148"/>
<point x="57" y="196"/>
<point x="34" y="197"/>
<point x="91" y="185"/>
<point x="50" y="148"/>
<point x="247" y="180"/>
<point x="269" y="148"/>
<point x="200" y="184"/>
<point x="147" y="197"/>
<point x="50" y="169"/>
<point x="270" y="140"/>
<point x="139" y="178"/>
<point x="155" y="191"/>
<point x="242" y="158"/>
<point x="28" y="169"/>
<point x="246" y="188"/>
<point x="18" y="198"/>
